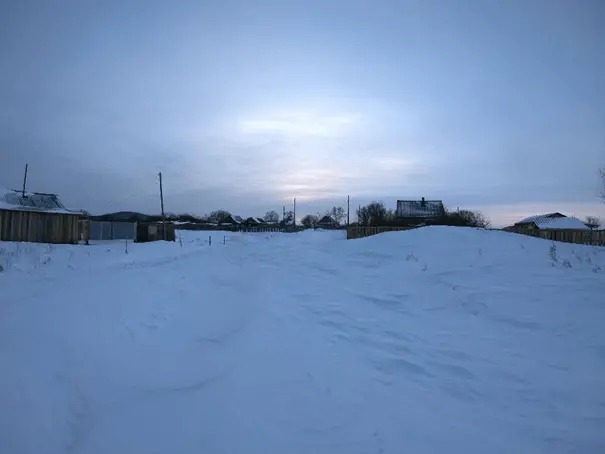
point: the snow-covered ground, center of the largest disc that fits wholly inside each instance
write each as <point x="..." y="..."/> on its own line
<point x="428" y="341"/>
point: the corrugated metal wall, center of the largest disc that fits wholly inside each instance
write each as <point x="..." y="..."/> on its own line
<point x="106" y="230"/>
<point x="39" y="227"/>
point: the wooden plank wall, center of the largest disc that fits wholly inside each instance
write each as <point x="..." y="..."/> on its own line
<point x="593" y="237"/>
<point x="38" y="227"/>
<point x="354" y="232"/>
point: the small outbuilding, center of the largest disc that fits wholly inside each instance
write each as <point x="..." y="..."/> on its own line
<point x="327" y="222"/>
<point x="155" y="231"/>
<point x="37" y="217"/>
<point x="552" y="221"/>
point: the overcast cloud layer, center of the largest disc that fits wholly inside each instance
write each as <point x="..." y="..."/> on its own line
<point x="242" y="105"/>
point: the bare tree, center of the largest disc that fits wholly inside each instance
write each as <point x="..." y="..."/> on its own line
<point x="363" y="218"/>
<point x="374" y="213"/>
<point x="337" y="213"/>
<point x="467" y="218"/>
<point x="309" y="220"/>
<point x="592" y="222"/>
<point x="219" y="217"/>
<point x="288" y="218"/>
<point x="272" y="216"/>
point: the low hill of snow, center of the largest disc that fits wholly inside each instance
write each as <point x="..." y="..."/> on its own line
<point x="431" y="340"/>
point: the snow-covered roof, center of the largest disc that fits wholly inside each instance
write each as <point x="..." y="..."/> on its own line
<point x="555" y="221"/>
<point x="420" y="208"/>
<point x="33" y="201"/>
<point x="540" y="217"/>
<point x="237" y="219"/>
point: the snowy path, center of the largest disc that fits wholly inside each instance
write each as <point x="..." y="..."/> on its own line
<point x="440" y="340"/>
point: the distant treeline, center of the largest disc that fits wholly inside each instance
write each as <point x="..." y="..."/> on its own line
<point x="373" y="214"/>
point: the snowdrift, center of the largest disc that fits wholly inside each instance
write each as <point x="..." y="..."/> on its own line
<point x="431" y="340"/>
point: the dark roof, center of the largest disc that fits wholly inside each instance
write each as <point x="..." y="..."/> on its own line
<point x="326" y="220"/>
<point x="420" y="208"/>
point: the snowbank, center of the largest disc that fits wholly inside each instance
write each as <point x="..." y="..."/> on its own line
<point x="432" y="340"/>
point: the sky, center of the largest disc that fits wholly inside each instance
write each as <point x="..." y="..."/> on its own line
<point x="490" y="105"/>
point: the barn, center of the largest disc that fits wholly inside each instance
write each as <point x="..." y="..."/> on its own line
<point x="552" y="221"/>
<point x="36" y="217"/>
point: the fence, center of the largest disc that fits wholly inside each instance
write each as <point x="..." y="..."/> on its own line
<point x="108" y="230"/>
<point x="239" y="228"/>
<point x="593" y="237"/>
<point x="39" y="227"/>
<point x="354" y="232"/>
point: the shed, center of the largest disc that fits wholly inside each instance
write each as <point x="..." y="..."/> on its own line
<point x="251" y="222"/>
<point x="37" y="217"/>
<point x="154" y="231"/>
<point x="327" y="222"/>
<point x="552" y="221"/>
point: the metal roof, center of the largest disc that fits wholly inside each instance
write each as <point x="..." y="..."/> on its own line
<point x="420" y="208"/>
<point x="558" y="221"/>
<point x="33" y="201"/>
<point x="540" y="217"/>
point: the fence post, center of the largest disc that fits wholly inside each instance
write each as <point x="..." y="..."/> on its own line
<point x="210" y="240"/>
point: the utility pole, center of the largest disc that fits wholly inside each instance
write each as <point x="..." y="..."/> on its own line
<point x="294" y="210"/>
<point x="25" y="179"/>
<point x="162" y="202"/>
<point x="348" y="208"/>
<point x="284" y="214"/>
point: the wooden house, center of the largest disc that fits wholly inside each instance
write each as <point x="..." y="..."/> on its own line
<point x="414" y="212"/>
<point x="37" y="217"/>
<point x="552" y="221"/>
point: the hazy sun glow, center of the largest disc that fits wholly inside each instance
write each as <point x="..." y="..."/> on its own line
<point x="299" y="123"/>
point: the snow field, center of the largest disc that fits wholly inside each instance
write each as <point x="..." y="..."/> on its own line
<point x="432" y="340"/>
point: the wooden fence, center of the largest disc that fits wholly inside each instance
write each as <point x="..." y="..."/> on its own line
<point x="39" y="227"/>
<point x="240" y="228"/>
<point x="593" y="237"/>
<point x="354" y="232"/>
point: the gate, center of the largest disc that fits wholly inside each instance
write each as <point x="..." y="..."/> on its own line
<point x="107" y="230"/>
